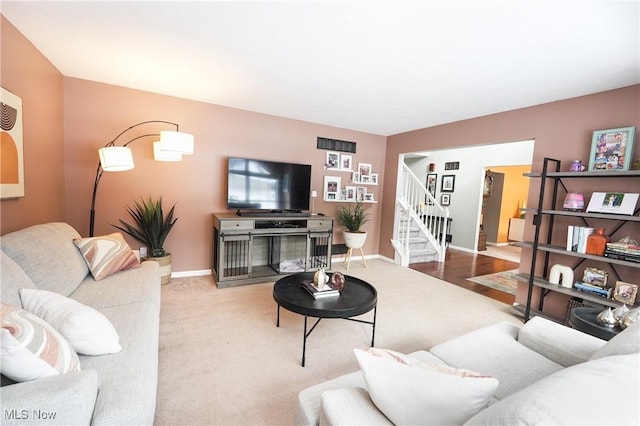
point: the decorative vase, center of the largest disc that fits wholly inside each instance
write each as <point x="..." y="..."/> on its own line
<point x="620" y="311"/>
<point x="629" y="318"/>
<point x="354" y="239"/>
<point x="337" y="281"/>
<point x="597" y="242"/>
<point x="320" y="279"/>
<point x="606" y="318"/>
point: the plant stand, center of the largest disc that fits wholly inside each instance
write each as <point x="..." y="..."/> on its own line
<point x="347" y="258"/>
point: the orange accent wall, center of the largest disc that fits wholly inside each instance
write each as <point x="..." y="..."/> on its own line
<point x="29" y="75"/>
<point x="514" y="193"/>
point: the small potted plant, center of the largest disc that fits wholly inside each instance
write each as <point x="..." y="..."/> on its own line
<point x="151" y="228"/>
<point x="352" y="218"/>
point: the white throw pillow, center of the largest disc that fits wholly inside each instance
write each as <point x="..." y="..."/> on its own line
<point x="624" y="343"/>
<point x="88" y="331"/>
<point x="416" y="394"/>
<point x="31" y="348"/>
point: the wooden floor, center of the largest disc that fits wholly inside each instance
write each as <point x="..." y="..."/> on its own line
<point x="459" y="265"/>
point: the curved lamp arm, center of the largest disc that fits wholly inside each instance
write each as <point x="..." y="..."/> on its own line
<point x="100" y="170"/>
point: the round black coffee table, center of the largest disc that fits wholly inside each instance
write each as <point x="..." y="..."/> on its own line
<point x="357" y="297"/>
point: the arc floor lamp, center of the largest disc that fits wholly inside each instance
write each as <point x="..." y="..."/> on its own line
<point x="172" y="145"/>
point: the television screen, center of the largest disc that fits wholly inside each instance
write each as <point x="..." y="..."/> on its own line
<point x="268" y="185"/>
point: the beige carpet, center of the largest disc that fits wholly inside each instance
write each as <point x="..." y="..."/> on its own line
<point x="223" y="361"/>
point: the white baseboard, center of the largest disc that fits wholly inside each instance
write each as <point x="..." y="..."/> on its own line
<point x="203" y="272"/>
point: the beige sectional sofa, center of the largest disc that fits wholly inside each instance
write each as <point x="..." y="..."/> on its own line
<point x="115" y="388"/>
<point x="547" y="374"/>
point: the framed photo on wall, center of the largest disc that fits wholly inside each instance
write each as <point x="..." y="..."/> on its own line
<point x="331" y="188"/>
<point x="346" y="162"/>
<point x="445" y="199"/>
<point x="448" y="183"/>
<point x="11" y="150"/>
<point x="333" y="160"/>
<point x="432" y="180"/>
<point x="612" y="149"/>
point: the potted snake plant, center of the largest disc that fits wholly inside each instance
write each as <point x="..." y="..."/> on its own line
<point x="352" y="218"/>
<point x="151" y="228"/>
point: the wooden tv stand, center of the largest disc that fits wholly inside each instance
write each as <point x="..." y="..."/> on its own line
<point x="255" y="249"/>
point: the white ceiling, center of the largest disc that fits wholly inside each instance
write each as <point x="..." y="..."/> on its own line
<point x="382" y="67"/>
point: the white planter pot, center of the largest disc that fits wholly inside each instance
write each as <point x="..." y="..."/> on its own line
<point x="354" y="239"/>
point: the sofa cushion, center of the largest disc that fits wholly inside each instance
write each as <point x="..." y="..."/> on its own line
<point x="625" y="342"/>
<point x="605" y="391"/>
<point x="417" y="394"/>
<point x="47" y="255"/>
<point x="69" y="397"/>
<point x="136" y="285"/>
<point x="559" y="343"/>
<point x="87" y="330"/>
<point x="129" y="378"/>
<point x="494" y="350"/>
<point x="31" y="348"/>
<point x="350" y="406"/>
<point x="106" y="254"/>
<point x="13" y="280"/>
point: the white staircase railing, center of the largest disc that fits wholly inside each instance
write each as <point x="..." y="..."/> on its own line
<point x="415" y="204"/>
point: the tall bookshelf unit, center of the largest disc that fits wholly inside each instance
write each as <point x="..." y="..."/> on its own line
<point x="552" y="180"/>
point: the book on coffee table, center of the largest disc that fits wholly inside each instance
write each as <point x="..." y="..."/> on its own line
<point x="315" y="292"/>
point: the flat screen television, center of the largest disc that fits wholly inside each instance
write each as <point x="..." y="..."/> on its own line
<point x="268" y="185"/>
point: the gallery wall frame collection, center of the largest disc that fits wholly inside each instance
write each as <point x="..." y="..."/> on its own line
<point x="11" y="147"/>
<point x="333" y="188"/>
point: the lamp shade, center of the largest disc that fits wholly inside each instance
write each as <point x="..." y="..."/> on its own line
<point x="179" y="142"/>
<point x="160" y="155"/>
<point x="314" y="194"/>
<point x="116" y="158"/>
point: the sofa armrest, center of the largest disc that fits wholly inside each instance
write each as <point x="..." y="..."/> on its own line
<point x="63" y="399"/>
<point x="350" y="406"/>
<point x="557" y="342"/>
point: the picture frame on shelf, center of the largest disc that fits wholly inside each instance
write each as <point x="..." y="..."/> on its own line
<point x="612" y="149"/>
<point x="595" y="276"/>
<point x="360" y="192"/>
<point x="346" y="162"/>
<point x="355" y="177"/>
<point x="374" y="178"/>
<point x="331" y="188"/>
<point x="445" y="199"/>
<point x="368" y="197"/>
<point x="365" y="179"/>
<point x="364" y="169"/>
<point x="333" y="160"/>
<point x="448" y="183"/>
<point x="350" y="193"/>
<point x="625" y="292"/>
<point x="613" y="202"/>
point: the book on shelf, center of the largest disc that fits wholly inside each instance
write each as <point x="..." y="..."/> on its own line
<point x="319" y="294"/>
<point x="577" y="238"/>
<point x="622" y="251"/>
<point x="593" y="289"/>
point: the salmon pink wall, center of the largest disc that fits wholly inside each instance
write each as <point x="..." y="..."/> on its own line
<point x="30" y="76"/>
<point x="561" y="130"/>
<point x="95" y="113"/>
